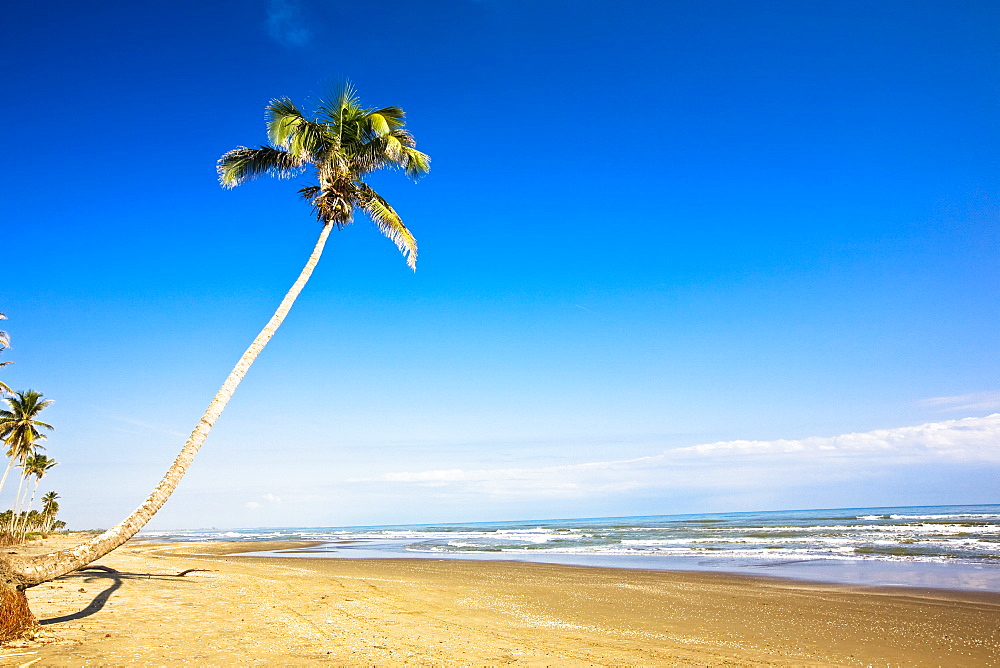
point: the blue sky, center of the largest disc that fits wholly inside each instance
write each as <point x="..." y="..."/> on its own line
<point x="674" y="257"/>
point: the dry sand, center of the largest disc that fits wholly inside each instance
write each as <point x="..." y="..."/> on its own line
<point x="272" y="611"/>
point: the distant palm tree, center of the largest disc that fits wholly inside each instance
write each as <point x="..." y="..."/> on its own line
<point x="36" y="465"/>
<point x="50" y="506"/>
<point x="19" y="427"/>
<point x="343" y="143"/>
<point x="29" y="467"/>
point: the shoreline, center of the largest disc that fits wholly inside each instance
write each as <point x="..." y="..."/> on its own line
<point x="958" y="576"/>
<point x="252" y="610"/>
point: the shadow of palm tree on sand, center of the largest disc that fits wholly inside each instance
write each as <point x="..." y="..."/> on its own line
<point x="117" y="579"/>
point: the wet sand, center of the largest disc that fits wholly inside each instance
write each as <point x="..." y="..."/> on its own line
<point x="279" y="611"/>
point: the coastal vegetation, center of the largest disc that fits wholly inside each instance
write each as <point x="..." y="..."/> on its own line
<point x="21" y="436"/>
<point x="342" y="142"/>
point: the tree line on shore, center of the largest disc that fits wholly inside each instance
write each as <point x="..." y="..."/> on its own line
<point x="21" y="436"/>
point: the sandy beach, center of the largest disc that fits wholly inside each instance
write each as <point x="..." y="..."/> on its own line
<point x="270" y="611"/>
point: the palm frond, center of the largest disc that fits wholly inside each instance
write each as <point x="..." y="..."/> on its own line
<point x="368" y="158"/>
<point x="355" y="129"/>
<point x="289" y="129"/>
<point x="282" y="119"/>
<point x="415" y="163"/>
<point x="342" y="101"/>
<point x="384" y="151"/>
<point x="388" y="222"/>
<point x="243" y="164"/>
<point x="311" y="140"/>
<point x="394" y="116"/>
<point x="309" y="192"/>
<point x="378" y="125"/>
<point x="404" y="137"/>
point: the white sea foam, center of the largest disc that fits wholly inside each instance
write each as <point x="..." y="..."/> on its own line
<point x="926" y="534"/>
<point x="971" y="517"/>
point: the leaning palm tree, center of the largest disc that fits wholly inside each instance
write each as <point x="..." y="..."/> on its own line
<point x="342" y="142"/>
<point x="19" y="427"/>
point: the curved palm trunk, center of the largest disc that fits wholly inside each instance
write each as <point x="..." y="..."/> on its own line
<point x="6" y="471"/>
<point x="19" y="573"/>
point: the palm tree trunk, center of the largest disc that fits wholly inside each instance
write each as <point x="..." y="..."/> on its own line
<point x="17" y="504"/>
<point x="10" y="464"/>
<point x="24" y="524"/>
<point x="19" y="573"/>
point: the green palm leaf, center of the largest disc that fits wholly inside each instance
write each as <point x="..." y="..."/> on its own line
<point x="19" y="426"/>
<point x="415" y="163"/>
<point x="388" y="222"/>
<point x="394" y="116"/>
<point x="282" y="119"/>
<point x="243" y="164"/>
<point x="340" y="105"/>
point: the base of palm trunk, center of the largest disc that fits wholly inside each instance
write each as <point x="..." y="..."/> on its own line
<point x="16" y="620"/>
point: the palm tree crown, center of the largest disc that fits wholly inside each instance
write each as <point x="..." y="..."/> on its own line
<point x="49" y="504"/>
<point x="343" y="142"/>
<point x="19" y="425"/>
<point x="38" y="465"/>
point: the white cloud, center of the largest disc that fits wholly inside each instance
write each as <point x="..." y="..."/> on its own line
<point x="285" y="23"/>
<point x="978" y="401"/>
<point x="732" y="465"/>
<point x="967" y="438"/>
<point x="270" y="498"/>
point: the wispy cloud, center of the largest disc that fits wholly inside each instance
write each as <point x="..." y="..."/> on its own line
<point x="979" y="401"/>
<point x="270" y="498"/>
<point x="286" y="24"/>
<point x="731" y="464"/>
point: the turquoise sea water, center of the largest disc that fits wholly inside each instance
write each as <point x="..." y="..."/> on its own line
<point x="956" y="547"/>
